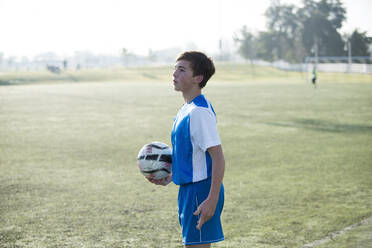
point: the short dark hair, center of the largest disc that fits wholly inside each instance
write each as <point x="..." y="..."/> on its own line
<point x="200" y="65"/>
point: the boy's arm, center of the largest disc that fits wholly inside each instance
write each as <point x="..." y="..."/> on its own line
<point x="206" y="208"/>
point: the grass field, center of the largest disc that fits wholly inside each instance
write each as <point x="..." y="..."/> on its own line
<point x="298" y="160"/>
<point x="226" y="72"/>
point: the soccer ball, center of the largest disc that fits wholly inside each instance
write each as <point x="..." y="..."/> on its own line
<point x="155" y="159"/>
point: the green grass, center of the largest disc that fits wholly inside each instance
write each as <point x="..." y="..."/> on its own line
<point x="87" y="75"/>
<point x="298" y="162"/>
<point x="226" y="72"/>
<point x="359" y="237"/>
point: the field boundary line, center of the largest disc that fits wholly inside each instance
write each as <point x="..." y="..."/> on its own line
<point x="336" y="234"/>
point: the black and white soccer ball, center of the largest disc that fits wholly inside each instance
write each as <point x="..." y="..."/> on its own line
<point x="155" y="159"/>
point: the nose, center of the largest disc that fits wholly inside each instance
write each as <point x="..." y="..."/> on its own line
<point x="175" y="73"/>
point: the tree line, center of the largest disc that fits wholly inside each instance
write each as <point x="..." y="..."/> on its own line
<point x="296" y="32"/>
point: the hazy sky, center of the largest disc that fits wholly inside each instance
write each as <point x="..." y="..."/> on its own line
<point x="30" y="27"/>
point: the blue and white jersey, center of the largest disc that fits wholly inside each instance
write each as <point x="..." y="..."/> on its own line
<point x="194" y="131"/>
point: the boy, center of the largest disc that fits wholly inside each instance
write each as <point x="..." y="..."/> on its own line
<point x="198" y="162"/>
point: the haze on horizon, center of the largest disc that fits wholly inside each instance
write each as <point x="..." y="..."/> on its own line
<point x="106" y="27"/>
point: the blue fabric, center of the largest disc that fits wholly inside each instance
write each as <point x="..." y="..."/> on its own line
<point x="188" y="164"/>
<point x="190" y="196"/>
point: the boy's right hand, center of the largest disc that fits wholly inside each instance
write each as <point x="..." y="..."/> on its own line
<point x="163" y="182"/>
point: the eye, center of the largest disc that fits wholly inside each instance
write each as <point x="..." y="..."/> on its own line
<point x="179" y="69"/>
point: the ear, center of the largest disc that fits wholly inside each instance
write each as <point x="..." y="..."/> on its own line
<point x="198" y="79"/>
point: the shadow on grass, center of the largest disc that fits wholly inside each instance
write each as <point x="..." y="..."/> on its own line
<point x="323" y="126"/>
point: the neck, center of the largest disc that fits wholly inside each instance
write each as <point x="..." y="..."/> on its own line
<point x="189" y="96"/>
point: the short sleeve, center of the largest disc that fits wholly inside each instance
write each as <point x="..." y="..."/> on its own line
<point x="203" y="128"/>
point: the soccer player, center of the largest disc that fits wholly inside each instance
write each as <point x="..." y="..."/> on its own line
<point x="313" y="79"/>
<point x="198" y="162"/>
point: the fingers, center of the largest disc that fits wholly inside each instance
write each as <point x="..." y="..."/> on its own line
<point x="200" y="224"/>
<point x="154" y="181"/>
<point x="163" y="181"/>
<point x="202" y="219"/>
<point x="151" y="179"/>
<point x="197" y="212"/>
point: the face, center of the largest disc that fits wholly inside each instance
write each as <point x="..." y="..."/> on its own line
<point x="183" y="79"/>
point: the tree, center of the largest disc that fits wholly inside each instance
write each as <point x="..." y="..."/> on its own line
<point x="267" y="46"/>
<point x="294" y="31"/>
<point x="282" y="19"/>
<point x="283" y="25"/>
<point x="320" y="23"/>
<point x="360" y="43"/>
<point x="246" y="42"/>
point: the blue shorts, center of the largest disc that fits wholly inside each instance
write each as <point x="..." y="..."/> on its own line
<point x="190" y="196"/>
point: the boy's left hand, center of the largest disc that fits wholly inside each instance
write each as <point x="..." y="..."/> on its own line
<point x="206" y="211"/>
